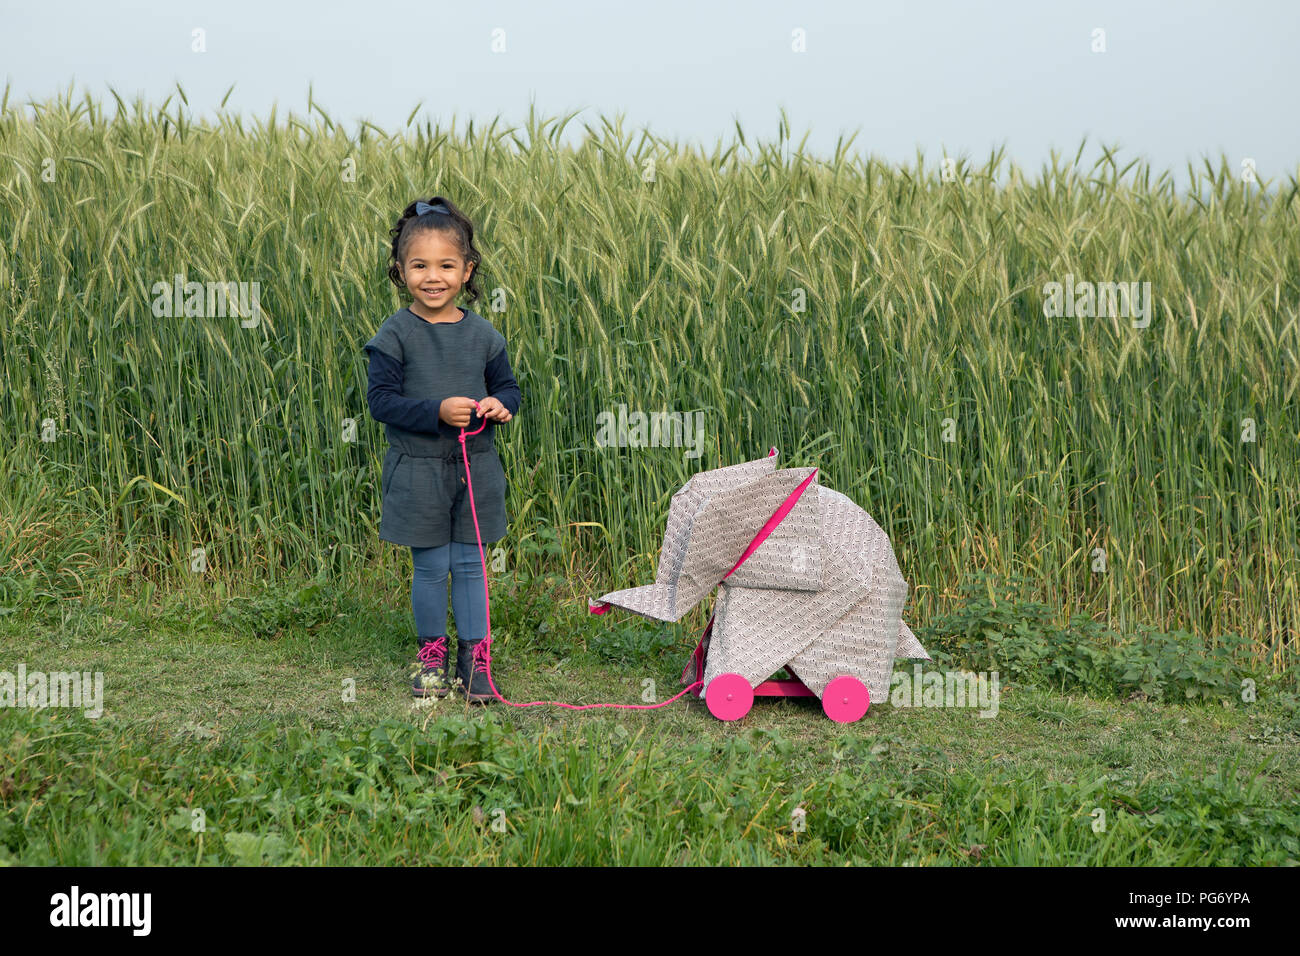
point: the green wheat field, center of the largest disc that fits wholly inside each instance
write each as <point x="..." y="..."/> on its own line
<point x="1106" y="510"/>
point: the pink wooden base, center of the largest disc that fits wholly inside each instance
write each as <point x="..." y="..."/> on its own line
<point x="793" y="687"/>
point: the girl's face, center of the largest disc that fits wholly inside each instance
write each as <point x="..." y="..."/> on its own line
<point x="434" y="271"/>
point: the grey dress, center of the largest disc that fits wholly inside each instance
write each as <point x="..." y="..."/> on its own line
<point x="425" y="504"/>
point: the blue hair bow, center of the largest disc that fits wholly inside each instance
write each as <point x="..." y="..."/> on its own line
<point x="422" y="207"/>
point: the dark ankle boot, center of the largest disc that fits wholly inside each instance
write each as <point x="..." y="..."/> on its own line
<point x="433" y="676"/>
<point x="471" y="671"/>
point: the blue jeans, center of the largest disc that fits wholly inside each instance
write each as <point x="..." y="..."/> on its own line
<point x="429" y="591"/>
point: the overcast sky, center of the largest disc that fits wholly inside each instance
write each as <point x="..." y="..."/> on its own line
<point x="1178" y="81"/>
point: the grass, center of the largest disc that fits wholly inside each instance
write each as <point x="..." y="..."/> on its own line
<point x="202" y="714"/>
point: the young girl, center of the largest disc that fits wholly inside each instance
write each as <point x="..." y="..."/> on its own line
<point x="428" y="364"/>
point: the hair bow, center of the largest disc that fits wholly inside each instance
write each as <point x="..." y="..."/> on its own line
<point x="422" y="207"/>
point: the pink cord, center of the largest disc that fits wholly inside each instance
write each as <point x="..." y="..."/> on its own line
<point x="483" y="650"/>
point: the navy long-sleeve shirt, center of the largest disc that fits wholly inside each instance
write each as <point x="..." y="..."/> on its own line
<point x="390" y="406"/>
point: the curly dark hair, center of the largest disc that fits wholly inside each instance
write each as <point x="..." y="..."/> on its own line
<point x="457" y="225"/>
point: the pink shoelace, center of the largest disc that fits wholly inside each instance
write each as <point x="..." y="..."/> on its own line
<point x="434" y="654"/>
<point x="481" y="657"/>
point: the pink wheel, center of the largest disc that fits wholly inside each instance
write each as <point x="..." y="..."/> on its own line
<point x="845" y="699"/>
<point x="729" y="697"/>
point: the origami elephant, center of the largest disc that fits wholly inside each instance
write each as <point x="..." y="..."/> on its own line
<point x="820" y="595"/>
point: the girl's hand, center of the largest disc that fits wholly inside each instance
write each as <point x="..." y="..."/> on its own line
<point x="493" y="409"/>
<point x="456" y="411"/>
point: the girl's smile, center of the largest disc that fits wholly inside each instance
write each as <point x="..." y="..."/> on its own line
<point x="434" y="273"/>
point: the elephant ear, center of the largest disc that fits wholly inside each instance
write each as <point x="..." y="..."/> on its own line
<point x="686" y="506"/>
<point x="909" y="648"/>
<point x="728" y="522"/>
<point x="717" y="534"/>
